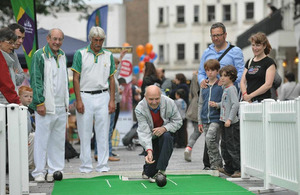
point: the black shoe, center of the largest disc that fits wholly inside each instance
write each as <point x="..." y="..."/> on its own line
<point x="222" y="170"/>
<point x="113" y="154"/>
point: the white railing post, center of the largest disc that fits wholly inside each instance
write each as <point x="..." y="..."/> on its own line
<point x="266" y="107"/>
<point x="242" y="139"/>
<point x="14" y="153"/>
<point x="2" y="150"/>
<point x="23" y="129"/>
<point x="298" y="133"/>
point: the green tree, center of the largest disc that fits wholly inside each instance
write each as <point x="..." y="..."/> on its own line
<point x="46" y="7"/>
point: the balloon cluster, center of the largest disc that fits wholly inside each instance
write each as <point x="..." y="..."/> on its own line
<point x="150" y="56"/>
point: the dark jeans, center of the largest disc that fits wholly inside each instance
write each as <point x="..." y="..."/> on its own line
<point x="162" y="151"/>
<point x="230" y="147"/>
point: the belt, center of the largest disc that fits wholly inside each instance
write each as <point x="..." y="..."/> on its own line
<point x="95" y="92"/>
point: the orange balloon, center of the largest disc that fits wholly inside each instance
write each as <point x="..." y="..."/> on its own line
<point x="126" y="44"/>
<point x="140" y="50"/>
<point x="148" y="48"/>
<point x="141" y="65"/>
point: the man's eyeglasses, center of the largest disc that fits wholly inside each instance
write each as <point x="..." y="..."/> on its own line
<point x="57" y="39"/>
<point x="216" y="35"/>
<point x="10" y="42"/>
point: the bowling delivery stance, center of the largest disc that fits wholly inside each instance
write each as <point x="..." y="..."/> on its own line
<point x="158" y="119"/>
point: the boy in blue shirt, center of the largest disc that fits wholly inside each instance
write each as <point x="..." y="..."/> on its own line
<point x="209" y="117"/>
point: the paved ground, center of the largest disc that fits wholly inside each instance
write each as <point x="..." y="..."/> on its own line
<point x="131" y="165"/>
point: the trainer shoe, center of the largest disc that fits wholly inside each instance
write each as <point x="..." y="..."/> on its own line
<point x="112" y="158"/>
<point x="39" y="178"/>
<point x="50" y="177"/>
<point x="144" y="176"/>
<point x="188" y="154"/>
<point x="151" y="179"/>
<point x="207" y="168"/>
<point x="236" y="174"/>
<point x="222" y="170"/>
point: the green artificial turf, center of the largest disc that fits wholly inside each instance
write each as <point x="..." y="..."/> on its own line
<point x="176" y="184"/>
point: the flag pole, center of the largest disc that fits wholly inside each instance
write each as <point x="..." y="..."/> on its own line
<point x="35" y="24"/>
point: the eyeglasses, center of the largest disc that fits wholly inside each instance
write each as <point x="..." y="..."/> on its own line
<point x="10" y="42"/>
<point x="57" y="39"/>
<point x="216" y="35"/>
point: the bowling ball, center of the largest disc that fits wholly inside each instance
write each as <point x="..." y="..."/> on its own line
<point x="57" y="175"/>
<point x="161" y="180"/>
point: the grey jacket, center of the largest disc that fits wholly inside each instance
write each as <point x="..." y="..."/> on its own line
<point x="168" y="112"/>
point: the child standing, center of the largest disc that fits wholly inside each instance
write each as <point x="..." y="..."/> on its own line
<point x="26" y="94"/>
<point x="181" y="105"/>
<point x="209" y="117"/>
<point x="229" y="105"/>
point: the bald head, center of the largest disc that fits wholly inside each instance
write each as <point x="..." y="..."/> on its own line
<point x="152" y="95"/>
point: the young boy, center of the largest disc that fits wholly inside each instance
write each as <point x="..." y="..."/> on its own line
<point x="181" y="105"/>
<point x="230" y="127"/>
<point x="26" y="94"/>
<point x="208" y="117"/>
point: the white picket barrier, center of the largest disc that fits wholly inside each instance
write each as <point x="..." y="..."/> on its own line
<point x="15" y="117"/>
<point x="270" y="142"/>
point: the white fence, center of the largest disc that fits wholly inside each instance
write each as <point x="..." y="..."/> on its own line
<point x="270" y="140"/>
<point x="14" y="119"/>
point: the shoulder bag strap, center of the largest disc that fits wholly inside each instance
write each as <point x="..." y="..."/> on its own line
<point x="249" y="63"/>
<point x="225" y="52"/>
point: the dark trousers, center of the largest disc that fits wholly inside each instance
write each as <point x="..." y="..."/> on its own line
<point x="230" y="147"/>
<point x="162" y="151"/>
<point x="181" y="135"/>
<point x="206" y="157"/>
<point x="117" y="112"/>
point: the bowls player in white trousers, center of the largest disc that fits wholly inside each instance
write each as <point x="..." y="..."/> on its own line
<point x="94" y="86"/>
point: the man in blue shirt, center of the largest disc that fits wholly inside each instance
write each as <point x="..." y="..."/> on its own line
<point x="234" y="56"/>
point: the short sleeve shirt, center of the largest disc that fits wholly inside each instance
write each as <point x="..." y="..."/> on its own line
<point x="94" y="69"/>
<point x="256" y="76"/>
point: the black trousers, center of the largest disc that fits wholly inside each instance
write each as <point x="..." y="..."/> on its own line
<point x="162" y="151"/>
<point x="230" y="147"/>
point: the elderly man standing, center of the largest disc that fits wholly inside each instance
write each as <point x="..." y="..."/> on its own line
<point x="158" y="118"/>
<point x="49" y="81"/>
<point x="94" y="86"/>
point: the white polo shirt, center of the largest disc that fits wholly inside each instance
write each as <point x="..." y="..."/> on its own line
<point x="94" y="69"/>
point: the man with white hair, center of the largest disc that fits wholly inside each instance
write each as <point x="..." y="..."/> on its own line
<point x="49" y="82"/>
<point x="158" y="118"/>
<point x="94" y="86"/>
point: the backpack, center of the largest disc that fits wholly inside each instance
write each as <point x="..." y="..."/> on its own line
<point x="70" y="152"/>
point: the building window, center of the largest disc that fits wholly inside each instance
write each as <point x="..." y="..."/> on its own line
<point x="160" y="15"/>
<point x="226" y="13"/>
<point x="196" y="51"/>
<point x="196" y="13"/>
<point x="180" y="51"/>
<point x="180" y="14"/>
<point x="161" y="57"/>
<point x="210" y="13"/>
<point x="249" y="11"/>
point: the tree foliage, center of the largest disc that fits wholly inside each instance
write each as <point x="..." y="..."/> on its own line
<point x="46" y="7"/>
